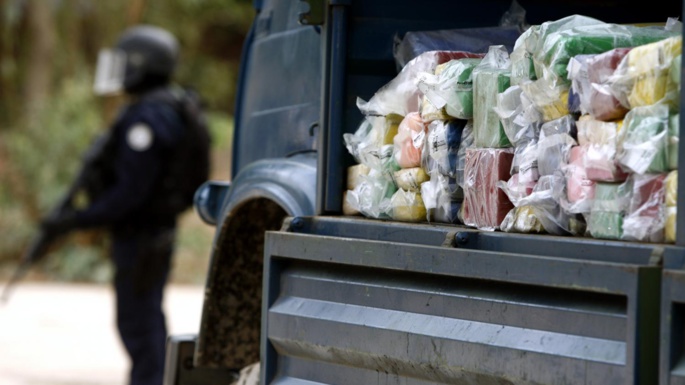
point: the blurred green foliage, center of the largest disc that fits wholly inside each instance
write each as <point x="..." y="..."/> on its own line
<point x="41" y="148"/>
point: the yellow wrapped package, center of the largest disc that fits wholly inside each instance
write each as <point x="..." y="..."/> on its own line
<point x="410" y="179"/>
<point x="643" y="77"/>
<point x="551" y="101"/>
<point x="353" y="173"/>
<point x="672" y="189"/>
<point x="407" y="206"/>
<point x="522" y="220"/>
<point x="669" y="231"/>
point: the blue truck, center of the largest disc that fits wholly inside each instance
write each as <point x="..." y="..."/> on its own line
<point x="321" y="298"/>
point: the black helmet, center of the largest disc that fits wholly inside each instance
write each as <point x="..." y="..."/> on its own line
<point x="144" y="57"/>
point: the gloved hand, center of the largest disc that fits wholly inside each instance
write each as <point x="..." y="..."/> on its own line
<point x="59" y="224"/>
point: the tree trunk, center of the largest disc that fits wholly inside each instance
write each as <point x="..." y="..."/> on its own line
<point x="42" y="42"/>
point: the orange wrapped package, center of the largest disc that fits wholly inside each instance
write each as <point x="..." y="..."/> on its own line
<point x="409" y="141"/>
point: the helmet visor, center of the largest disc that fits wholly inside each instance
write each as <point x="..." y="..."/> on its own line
<point x="110" y="71"/>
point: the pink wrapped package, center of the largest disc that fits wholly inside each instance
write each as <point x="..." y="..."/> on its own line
<point x="485" y="204"/>
<point x="645" y="218"/>
<point x="409" y="141"/>
<point x="580" y="191"/>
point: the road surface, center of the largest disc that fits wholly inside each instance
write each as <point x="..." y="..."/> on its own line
<point x="65" y="334"/>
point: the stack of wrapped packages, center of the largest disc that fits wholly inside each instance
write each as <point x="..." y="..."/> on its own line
<point x="573" y="133"/>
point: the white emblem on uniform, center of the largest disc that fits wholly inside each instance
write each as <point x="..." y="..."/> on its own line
<point x="139" y="137"/>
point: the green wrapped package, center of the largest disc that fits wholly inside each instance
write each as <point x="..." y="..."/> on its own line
<point x="490" y="77"/>
<point x="643" y="141"/>
<point x="608" y="210"/>
<point x="552" y="59"/>
<point x="673" y="141"/>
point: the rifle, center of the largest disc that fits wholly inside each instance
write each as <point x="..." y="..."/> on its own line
<point x="91" y="179"/>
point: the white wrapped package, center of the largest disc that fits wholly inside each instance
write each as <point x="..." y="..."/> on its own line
<point x="554" y="144"/>
<point x="442" y="146"/>
<point x="466" y="143"/>
<point x="401" y="95"/>
<point x="600" y="142"/>
<point x="442" y="198"/>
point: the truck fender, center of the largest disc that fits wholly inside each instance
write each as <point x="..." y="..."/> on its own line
<point x="261" y="196"/>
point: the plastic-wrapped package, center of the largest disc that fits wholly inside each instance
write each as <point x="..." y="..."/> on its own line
<point x="451" y="87"/>
<point x="509" y="108"/>
<point x="442" y="145"/>
<point x="670" y="226"/>
<point x="573" y="102"/>
<point x="590" y="76"/>
<point x="551" y="101"/>
<point x="347" y="208"/>
<point x="407" y="206"/>
<point x="551" y="60"/>
<point x="409" y="141"/>
<point x="466" y="143"/>
<point x="645" y="217"/>
<point x="673" y="141"/>
<point x="522" y="220"/>
<point x="600" y="142"/>
<point x="401" y="95"/>
<point x="372" y="195"/>
<point x="643" y="77"/>
<point x="430" y="113"/>
<point x="443" y="198"/>
<point x="485" y="204"/>
<point x="490" y="78"/>
<point x="526" y="160"/>
<point x="369" y="144"/>
<point x="522" y="67"/>
<point x="643" y="140"/>
<point x="410" y="179"/>
<point x="466" y="39"/>
<point x="580" y="191"/>
<point x="544" y="200"/>
<point x="556" y="140"/>
<point x="518" y="187"/>
<point x="672" y="189"/>
<point x="360" y="138"/>
<point x="608" y="209"/>
<point x="353" y="173"/>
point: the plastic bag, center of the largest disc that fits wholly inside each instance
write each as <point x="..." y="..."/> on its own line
<point x="518" y="187"/>
<point x="407" y="206"/>
<point x="556" y="140"/>
<point x="409" y="141"/>
<point x="608" y="209"/>
<point x="580" y="191"/>
<point x="645" y="218"/>
<point x="643" y="140"/>
<point x="522" y="220"/>
<point x="466" y="143"/>
<point x="551" y="102"/>
<point x="451" y="87"/>
<point x="673" y="141"/>
<point x="442" y="145"/>
<point x="353" y="174"/>
<point x="410" y="179"/>
<point x="509" y="109"/>
<point x="643" y="78"/>
<point x="545" y="204"/>
<point x="551" y="61"/>
<point x="372" y="195"/>
<point x="430" y="113"/>
<point x="485" y="204"/>
<point x="600" y="141"/>
<point x="401" y="96"/>
<point x="443" y="198"/>
<point x="490" y="78"/>
<point x="590" y="76"/>
<point x="371" y="144"/>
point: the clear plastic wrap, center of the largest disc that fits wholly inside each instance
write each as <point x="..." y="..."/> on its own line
<point x="443" y="198"/>
<point x="485" y="204"/>
<point x="518" y="187"/>
<point x="590" y="76"/>
<point x="451" y="87"/>
<point x="509" y="108"/>
<point x="407" y="206"/>
<point x="580" y="191"/>
<point x="401" y="95"/>
<point x="545" y="204"/>
<point x="600" y="142"/>
<point x="522" y="220"/>
<point x="673" y="141"/>
<point x="371" y="144"/>
<point x="353" y="174"/>
<point x="550" y="101"/>
<point x="490" y="78"/>
<point x="410" y="179"/>
<point x="608" y="209"/>
<point x="643" y="77"/>
<point x="522" y="67"/>
<point x="430" y="113"/>
<point x="556" y="140"/>
<point x="643" y="140"/>
<point x="409" y="141"/>
<point x="551" y="60"/>
<point x="466" y="143"/>
<point x="672" y="189"/>
<point x="646" y="216"/>
<point x="442" y="145"/>
<point x="372" y="195"/>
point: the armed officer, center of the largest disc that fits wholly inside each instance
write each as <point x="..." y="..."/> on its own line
<point x="155" y="155"/>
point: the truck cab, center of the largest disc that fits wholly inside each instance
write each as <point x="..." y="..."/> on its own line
<point x="321" y="298"/>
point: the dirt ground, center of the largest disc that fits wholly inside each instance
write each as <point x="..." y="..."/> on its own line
<point x="64" y="334"/>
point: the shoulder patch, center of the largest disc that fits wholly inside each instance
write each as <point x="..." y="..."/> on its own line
<point x="139" y="137"/>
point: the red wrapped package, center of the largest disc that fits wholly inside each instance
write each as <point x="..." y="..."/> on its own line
<point x="645" y="218"/>
<point x="485" y="204"/>
<point x="409" y="141"/>
<point x="602" y="103"/>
